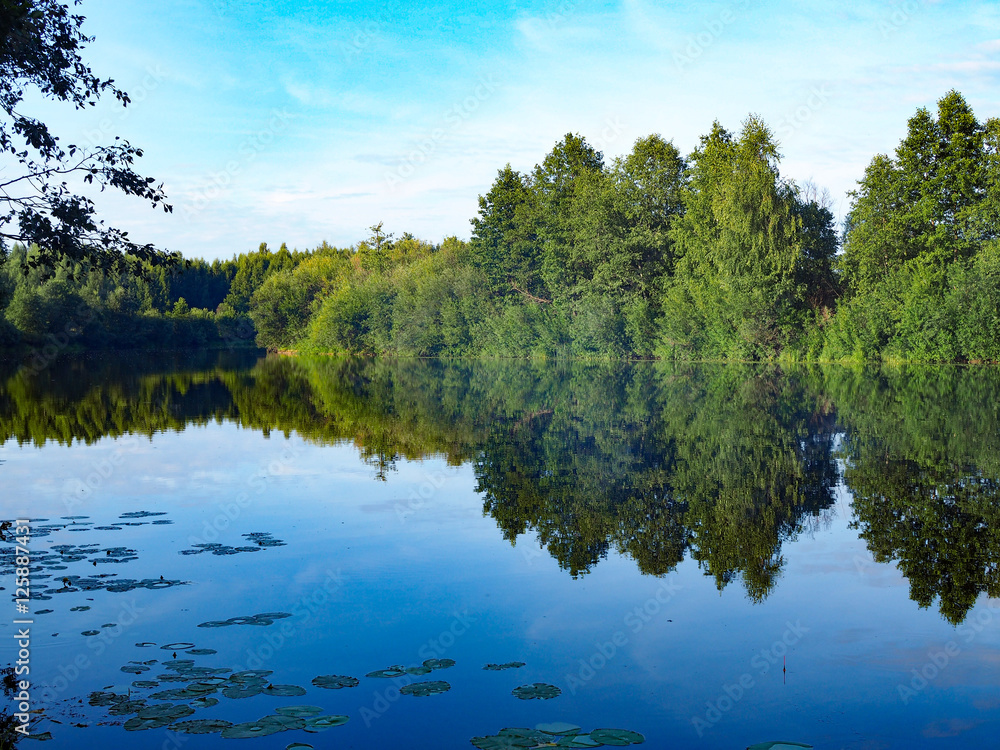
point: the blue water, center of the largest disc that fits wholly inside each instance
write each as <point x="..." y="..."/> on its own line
<point x="377" y="573"/>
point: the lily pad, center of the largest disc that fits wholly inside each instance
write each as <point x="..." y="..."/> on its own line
<point x="201" y="726"/>
<point x="536" y="690"/>
<point x="298" y="746"/>
<point x="395" y="670"/>
<point x="299" y="711"/>
<point x="91" y="632"/>
<point x="322" y="723"/>
<point x="335" y="681"/>
<point x="439" y="663"/>
<point x="423" y="689"/>
<point x="284" y="691"/>
<point x="778" y="745"/>
<point x="558" y="727"/>
<point x="243" y="691"/>
<point x="617" y="737"/>
<point x="250" y="729"/>
<point x="506" y="665"/>
<point x="201" y="651"/>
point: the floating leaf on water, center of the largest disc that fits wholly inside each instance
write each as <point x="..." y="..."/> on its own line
<point x="166" y="710"/>
<point x="91" y="632"/>
<point x="126" y="707"/>
<point x="558" y="727"/>
<point x="507" y="665"/>
<point x="250" y="729"/>
<point x="582" y="741"/>
<point x="145" y="684"/>
<point x="439" y="663"/>
<point x="215" y="624"/>
<point x="396" y="670"/>
<point x="206" y="702"/>
<point x="251" y="674"/>
<point x="144" y="644"/>
<point x="284" y="691"/>
<point x="283" y="721"/>
<point x="494" y="742"/>
<point x="778" y="745"/>
<point x="201" y="726"/>
<point x="179" y="646"/>
<point x="423" y="689"/>
<point x="201" y="651"/>
<point x="242" y="691"/>
<point x="44" y="612"/>
<point x="418" y="670"/>
<point x="335" y="681"/>
<point x="102" y="698"/>
<point x="273" y="615"/>
<point x="135" y="668"/>
<point x="539" y="690"/>
<point x="532" y="736"/>
<point x="618" y="737"/>
<point x="44" y="736"/>
<point x="298" y="746"/>
<point x="299" y="711"/>
<point x="81" y="608"/>
<point x="322" y="723"/>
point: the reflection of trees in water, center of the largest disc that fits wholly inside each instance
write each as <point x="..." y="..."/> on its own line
<point x="922" y="464"/>
<point x="651" y="460"/>
<point x="721" y="463"/>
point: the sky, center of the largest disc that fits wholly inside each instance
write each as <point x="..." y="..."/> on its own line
<point x="303" y="122"/>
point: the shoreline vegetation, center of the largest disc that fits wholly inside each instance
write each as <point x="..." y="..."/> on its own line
<point x="710" y="257"/>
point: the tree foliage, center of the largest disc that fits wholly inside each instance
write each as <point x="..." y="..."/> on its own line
<point x="44" y="197"/>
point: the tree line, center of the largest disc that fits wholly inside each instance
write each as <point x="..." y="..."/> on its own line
<point x="655" y="461"/>
<point x="713" y="255"/>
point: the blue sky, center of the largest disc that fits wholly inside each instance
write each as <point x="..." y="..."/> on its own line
<point x="300" y="122"/>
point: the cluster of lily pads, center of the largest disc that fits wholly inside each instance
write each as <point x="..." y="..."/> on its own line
<point x="506" y="665"/>
<point x="201" y="684"/>
<point x="556" y="734"/>
<point x="257" y="541"/>
<point x="263" y="619"/>
<point x="45" y="563"/>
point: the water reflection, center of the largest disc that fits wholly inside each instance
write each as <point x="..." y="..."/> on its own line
<point x="655" y="461"/>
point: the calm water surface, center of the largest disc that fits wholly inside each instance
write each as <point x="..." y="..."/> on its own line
<point x="709" y="556"/>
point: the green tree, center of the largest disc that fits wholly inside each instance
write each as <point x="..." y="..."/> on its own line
<point x="734" y="292"/>
<point x="41" y="43"/>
